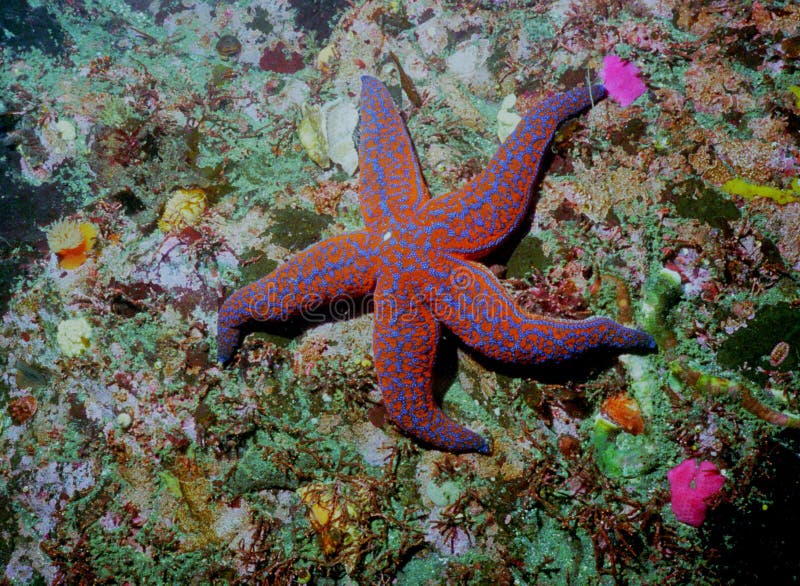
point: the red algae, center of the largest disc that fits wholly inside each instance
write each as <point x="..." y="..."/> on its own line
<point x="281" y="60"/>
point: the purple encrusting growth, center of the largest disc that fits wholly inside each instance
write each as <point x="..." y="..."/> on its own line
<point x="417" y="255"/>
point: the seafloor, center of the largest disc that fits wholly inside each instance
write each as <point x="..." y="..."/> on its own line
<point x="128" y="456"/>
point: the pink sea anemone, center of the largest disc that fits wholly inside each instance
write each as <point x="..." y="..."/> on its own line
<point x="621" y="79"/>
<point x="690" y="486"/>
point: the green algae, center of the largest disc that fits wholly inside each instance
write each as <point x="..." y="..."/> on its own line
<point x="296" y="228"/>
<point x="422" y="570"/>
<point x="748" y="348"/>
<point x="553" y="556"/>
<point x="661" y="292"/>
<point x="258" y="269"/>
<point x="697" y="201"/>
<point x="443" y="494"/>
<point x="257" y="470"/>
<point x="622" y="455"/>
<point x="528" y="255"/>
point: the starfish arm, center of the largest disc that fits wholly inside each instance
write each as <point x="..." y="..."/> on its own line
<point x="341" y="267"/>
<point x="405" y="342"/>
<point x="391" y="183"/>
<point x="474" y="305"/>
<point x="476" y="218"/>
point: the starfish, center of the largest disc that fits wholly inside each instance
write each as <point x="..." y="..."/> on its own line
<point x="418" y="256"/>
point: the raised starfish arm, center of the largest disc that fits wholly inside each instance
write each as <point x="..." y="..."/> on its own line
<point x="391" y="183"/>
<point x="337" y="268"/>
<point x="406" y="337"/>
<point x="474" y="305"/>
<point x="476" y="218"/>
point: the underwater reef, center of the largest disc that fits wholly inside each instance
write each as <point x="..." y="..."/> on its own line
<point x="159" y="155"/>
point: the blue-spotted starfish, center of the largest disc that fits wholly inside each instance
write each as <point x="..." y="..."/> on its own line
<point x="417" y="254"/>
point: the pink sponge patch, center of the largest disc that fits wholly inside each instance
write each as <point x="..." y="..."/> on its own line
<point x="621" y="79"/>
<point x="690" y="486"/>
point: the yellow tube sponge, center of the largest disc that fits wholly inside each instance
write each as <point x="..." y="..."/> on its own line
<point x="74" y="336"/>
<point x="748" y="190"/>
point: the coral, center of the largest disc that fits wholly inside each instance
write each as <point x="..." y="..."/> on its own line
<point x="691" y="485"/>
<point x="71" y="241"/>
<point x="74" y="336"/>
<point x="183" y="209"/>
<point x="621" y="79"/>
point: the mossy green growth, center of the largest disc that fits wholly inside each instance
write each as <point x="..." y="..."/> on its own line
<point x="421" y="570"/>
<point x="529" y="254"/>
<point x="120" y="562"/>
<point x="254" y="271"/>
<point x="117" y="113"/>
<point x="697" y="201"/>
<point x="443" y="494"/>
<point x="296" y="229"/>
<point x="552" y="555"/>
<point x="748" y="348"/>
<point x="256" y="471"/>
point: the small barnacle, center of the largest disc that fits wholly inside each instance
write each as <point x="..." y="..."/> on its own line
<point x="779" y="353"/>
<point x="183" y="209"/>
<point x="124" y="420"/>
<point x="228" y="47"/>
<point x="71" y="241"/>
